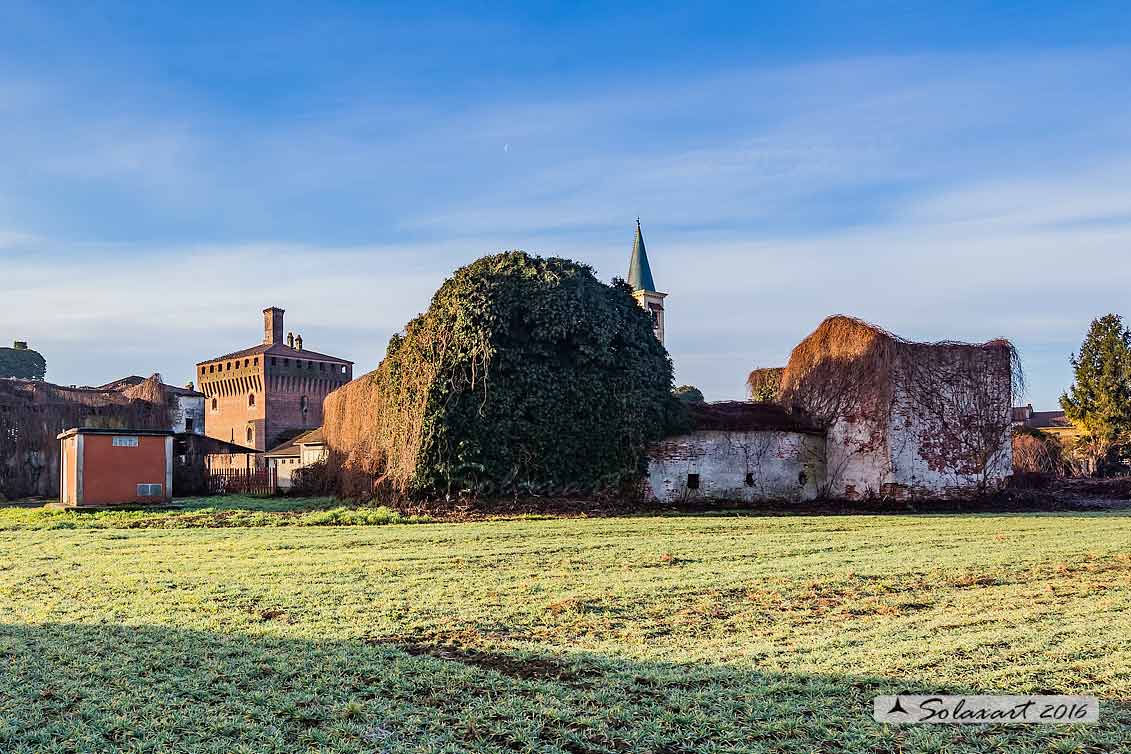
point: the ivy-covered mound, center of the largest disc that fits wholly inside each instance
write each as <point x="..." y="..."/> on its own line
<point x="22" y="363"/>
<point x="525" y="375"/>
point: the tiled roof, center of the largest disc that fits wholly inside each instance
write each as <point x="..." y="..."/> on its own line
<point x="747" y="416"/>
<point x="284" y="450"/>
<point x="639" y="271"/>
<point x="1048" y="420"/>
<point x="313" y="437"/>
<point x="133" y="380"/>
<point x="276" y="349"/>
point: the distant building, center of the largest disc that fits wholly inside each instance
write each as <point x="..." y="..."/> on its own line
<point x="643" y="287"/>
<point x="292" y="455"/>
<point x="860" y="414"/>
<point x="258" y="396"/>
<point x="1050" y="422"/>
<point x="186" y="405"/>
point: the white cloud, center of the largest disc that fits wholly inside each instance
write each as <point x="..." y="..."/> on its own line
<point x="942" y="196"/>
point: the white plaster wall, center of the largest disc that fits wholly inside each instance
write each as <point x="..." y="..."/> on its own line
<point x="284" y="467"/>
<point x="777" y="460"/>
<point x="185" y="406"/>
<point x="914" y="475"/>
<point x="312" y="454"/>
<point x="857" y="461"/>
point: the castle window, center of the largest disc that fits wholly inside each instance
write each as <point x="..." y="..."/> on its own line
<point x="251" y="400"/>
<point x="250" y="435"/>
<point x="246" y="362"/>
<point x="343" y="370"/>
<point x="211" y="367"/>
<point x="321" y="367"/>
<point x="255" y="361"/>
<point x="214" y="403"/>
<point x="302" y="404"/>
<point x="286" y="362"/>
<point x="692" y="481"/>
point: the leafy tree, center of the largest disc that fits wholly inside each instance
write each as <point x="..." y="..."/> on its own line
<point x="689" y="394"/>
<point x="764" y="385"/>
<point x="1099" y="401"/>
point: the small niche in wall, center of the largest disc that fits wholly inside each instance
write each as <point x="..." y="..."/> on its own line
<point x="749" y="479"/>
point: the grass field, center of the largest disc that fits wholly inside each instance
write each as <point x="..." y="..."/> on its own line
<point x="705" y="633"/>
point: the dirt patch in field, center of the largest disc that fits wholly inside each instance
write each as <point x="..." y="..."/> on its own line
<point x="527" y="668"/>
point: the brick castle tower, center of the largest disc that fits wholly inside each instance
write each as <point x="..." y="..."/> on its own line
<point x="268" y="393"/>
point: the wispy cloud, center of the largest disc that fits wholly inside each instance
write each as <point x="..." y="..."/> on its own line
<point x="941" y="195"/>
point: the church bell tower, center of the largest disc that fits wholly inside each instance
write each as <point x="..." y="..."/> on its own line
<point x="643" y="287"/>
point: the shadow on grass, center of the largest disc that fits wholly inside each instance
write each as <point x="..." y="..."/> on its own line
<point x="86" y="688"/>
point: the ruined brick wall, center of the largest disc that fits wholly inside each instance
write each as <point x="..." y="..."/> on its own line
<point x="759" y="465"/>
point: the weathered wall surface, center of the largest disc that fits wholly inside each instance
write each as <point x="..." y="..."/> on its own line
<point x="950" y="449"/>
<point x="858" y="463"/>
<point x="184" y="407"/>
<point x="782" y="466"/>
<point x="951" y="441"/>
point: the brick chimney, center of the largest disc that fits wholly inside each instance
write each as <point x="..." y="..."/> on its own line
<point x="272" y="325"/>
<point x="298" y="342"/>
<point x="290" y="340"/>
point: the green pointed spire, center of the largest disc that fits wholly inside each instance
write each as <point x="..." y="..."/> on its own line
<point x="639" y="272"/>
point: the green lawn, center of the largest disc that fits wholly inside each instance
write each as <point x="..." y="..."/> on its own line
<point x="656" y="633"/>
<point x="228" y="511"/>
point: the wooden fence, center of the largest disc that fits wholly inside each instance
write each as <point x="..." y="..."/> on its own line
<point x="255" y="482"/>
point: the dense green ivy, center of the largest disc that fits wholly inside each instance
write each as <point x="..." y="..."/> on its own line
<point x="23" y="363"/>
<point x="549" y="380"/>
<point x="689" y="394"/>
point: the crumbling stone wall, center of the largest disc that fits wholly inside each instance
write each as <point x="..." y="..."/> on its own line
<point x="758" y="465"/>
<point x="906" y="419"/>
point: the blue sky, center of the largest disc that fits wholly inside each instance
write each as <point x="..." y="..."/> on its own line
<point x="168" y="170"/>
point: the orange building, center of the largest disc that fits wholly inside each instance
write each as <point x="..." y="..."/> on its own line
<point x="115" y="466"/>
